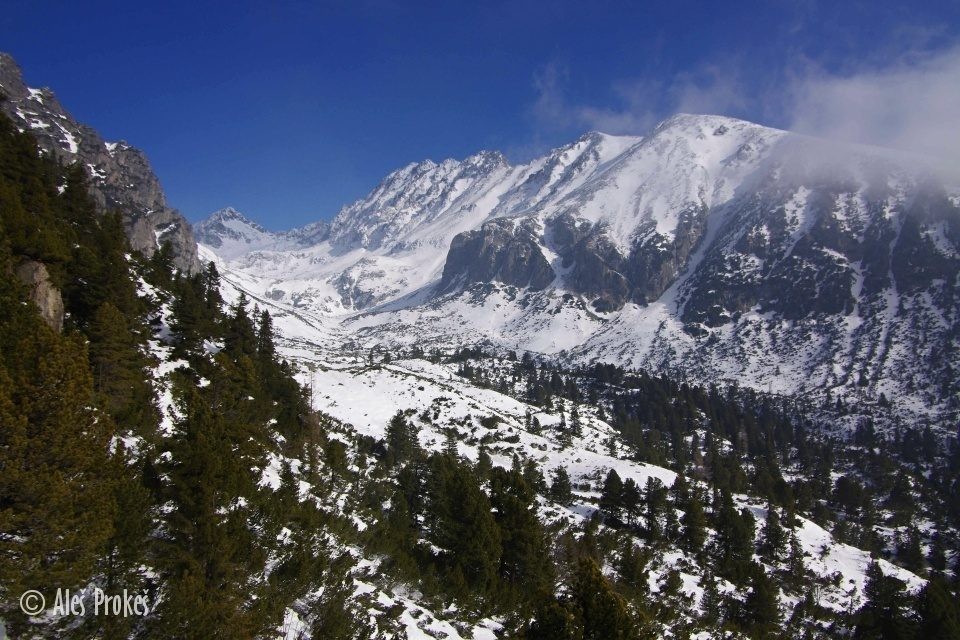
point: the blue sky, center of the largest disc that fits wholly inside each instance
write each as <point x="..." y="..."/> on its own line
<point x="287" y="111"/>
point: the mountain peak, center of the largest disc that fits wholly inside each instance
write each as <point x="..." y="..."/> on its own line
<point x="229" y="213"/>
<point x="716" y="124"/>
<point x="231" y="233"/>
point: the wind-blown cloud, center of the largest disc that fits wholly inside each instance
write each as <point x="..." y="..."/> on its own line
<point x="640" y="104"/>
<point x="913" y="105"/>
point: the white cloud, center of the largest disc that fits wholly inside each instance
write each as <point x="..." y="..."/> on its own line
<point x="913" y="105"/>
<point x="640" y="104"/>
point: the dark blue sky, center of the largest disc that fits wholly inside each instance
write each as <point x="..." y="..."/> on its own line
<point x="289" y="110"/>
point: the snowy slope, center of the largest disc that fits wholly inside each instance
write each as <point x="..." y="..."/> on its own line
<point x="366" y="396"/>
<point x="712" y="248"/>
<point x="404" y="227"/>
<point x="232" y="235"/>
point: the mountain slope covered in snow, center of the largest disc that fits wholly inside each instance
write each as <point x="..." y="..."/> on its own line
<point x="712" y="248"/>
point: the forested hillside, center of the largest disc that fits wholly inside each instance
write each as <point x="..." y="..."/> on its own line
<point x="98" y="487"/>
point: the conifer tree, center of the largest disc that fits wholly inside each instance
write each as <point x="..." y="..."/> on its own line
<point x="554" y="620"/>
<point x="633" y="569"/>
<point x="576" y="424"/>
<point x="734" y="543"/>
<point x="484" y="463"/>
<point x="603" y="611"/>
<point x="524" y="562"/>
<point x="937" y="611"/>
<point x="693" y="532"/>
<point x="680" y="492"/>
<point x="450" y="443"/>
<point x="909" y="552"/>
<point x="402" y="440"/>
<point x="611" y="497"/>
<point x="655" y="497"/>
<point x="773" y="537"/>
<point x="240" y="336"/>
<point x="462" y="525"/>
<point x="56" y="504"/>
<point x="884" y="616"/>
<point x="187" y="324"/>
<point x="761" y="614"/>
<point x="561" y="490"/>
<point x="120" y="371"/>
<point x="711" y="601"/>
<point x="266" y="350"/>
<point x="534" y="477"/>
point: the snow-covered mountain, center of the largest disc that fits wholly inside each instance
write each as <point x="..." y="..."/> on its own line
<point x="232" y="235"/>
<point x="712" y="248"/>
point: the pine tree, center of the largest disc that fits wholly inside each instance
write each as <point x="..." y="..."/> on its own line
<point x="187" y="324"/>
<point x="711" y="601"/>
<point x="796" y="566"/>
<point x="938" y="552"/>
<point x="534" y="477"/>
<point x="630" y="498"/>
<point x="266" y="350"/>
<point x="535" y="427"/>
<point x="240" y="336"/>
<point x="554" y="620"/>
<point x="56" y="504"/>
<point x="633" y="569"/>
<point x="603" y="611"/>
<point x="693" y="534"/>
<point x="576" y="424"/>
<point x="773" y="536"/>
<point x="337" y="615"/>
<point x="938" y="612"/>
<point x="462" y="525"/>
<point x="611" y="497"/>
<point x="120" y="371"/>
<point x="884" y="615"/>
<point x="909" y="552"/>
<point x="761" y="614"/>
<point x="561" y="490"/>
<point x="524" y="562"/>
<point x="450" y="443"/>
<point x="212" y="556"/>
<point x="655" y="497"/>
<point x="484" y="463"/>
<point x="123" y="556"/>
<point x="734" y="544"/>
<point x="402" y="439"/>
<point x="680" y="492"/>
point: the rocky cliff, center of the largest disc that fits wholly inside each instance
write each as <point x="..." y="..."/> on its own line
<point x="42" y="292"/>
<point x="120" y="175"/>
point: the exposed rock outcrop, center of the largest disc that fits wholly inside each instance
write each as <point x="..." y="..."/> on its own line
<point x="42" y="292"/>
<point x="500" y="251"/>
<point x="597" y="270"/>
<point x="120" y="175"/>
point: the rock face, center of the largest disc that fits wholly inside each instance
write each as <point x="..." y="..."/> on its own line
<point x="120" y="175"/>
<point x="501" y="251"/>
<point x="42" y="292"/>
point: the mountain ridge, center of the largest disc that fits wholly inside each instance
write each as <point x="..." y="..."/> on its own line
<point x="712" y="247"/>
<point x="121" y="177"/>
